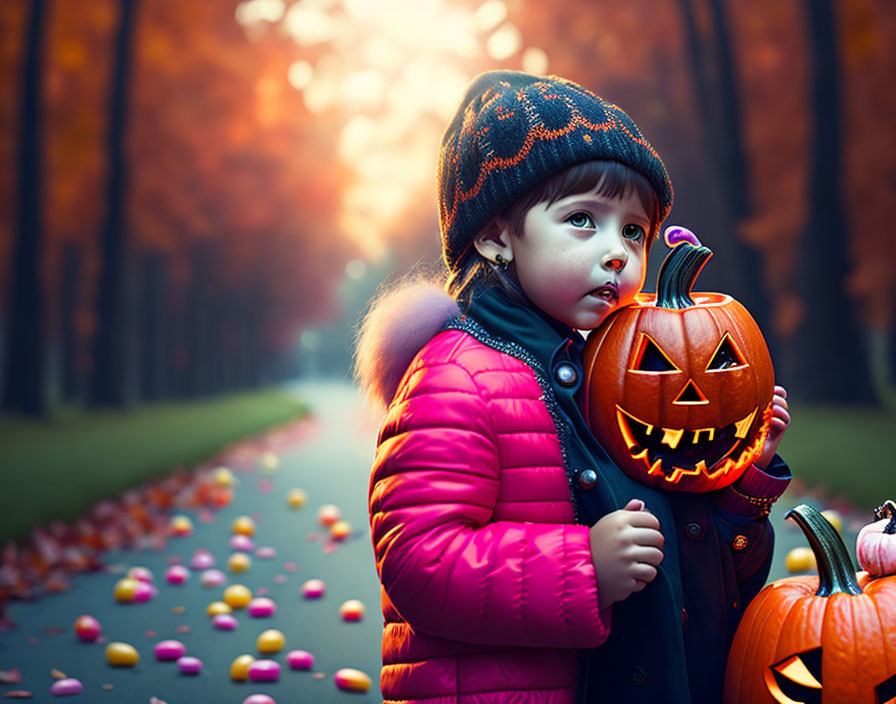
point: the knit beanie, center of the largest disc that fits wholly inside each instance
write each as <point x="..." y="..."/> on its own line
<point x="514" y="130"/>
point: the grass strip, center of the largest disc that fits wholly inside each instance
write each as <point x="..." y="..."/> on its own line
<point x="58" y="468"/>
<point x="846" y="450"/>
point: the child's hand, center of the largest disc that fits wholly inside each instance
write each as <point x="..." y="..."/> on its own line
<point x="779" y="423"/>
<point x="626" y="547"/>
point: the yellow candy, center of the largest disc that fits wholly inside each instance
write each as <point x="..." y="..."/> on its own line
<point x="834" y="518"/>
<point x="800" y="559"/>
<point x="125" y="589"/>
<point x="270" y="461"/>
<point x="271" y="641"/>
<point x="340" y="530"/>
<point x="297" y="498"/>
<point x="181" y="525"/>
<point x="122" y="654"/>
<point x="244" y="525"/>
<point x="238" y="596"/>
<point x="239" y="562"/>
<point x="224" y="476"/>
<point x="239" y="668"/>
<point x="352" y="680"/>
<point x="218" y="607"/>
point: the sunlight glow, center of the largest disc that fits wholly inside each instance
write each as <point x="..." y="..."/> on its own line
<point x="255" y="11"/>
<point x="504" y="43"/>
<point x="391" y="73"/>
<point x="300" y="75"/>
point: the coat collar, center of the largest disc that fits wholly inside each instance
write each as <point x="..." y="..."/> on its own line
<point x="512" y="316"/>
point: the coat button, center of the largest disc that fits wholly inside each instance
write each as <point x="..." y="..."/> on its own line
<point x="694" y="531"/>
<point x="566" y="374"/>
<point x="740" y="542"/>
<point x="684" y="619"/>
<point x="639" y="677"/>
<point x="587" y="479"/>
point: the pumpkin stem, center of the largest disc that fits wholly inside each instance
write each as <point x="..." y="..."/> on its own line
<point x="836" y="573"/>
<point x="679" y="271"/>
<point x="887" y="508"/>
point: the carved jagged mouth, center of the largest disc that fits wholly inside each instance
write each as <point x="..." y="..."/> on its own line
<point x="674" y="453"/>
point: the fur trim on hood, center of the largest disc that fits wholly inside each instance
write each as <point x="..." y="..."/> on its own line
<point x="400" y="321"/>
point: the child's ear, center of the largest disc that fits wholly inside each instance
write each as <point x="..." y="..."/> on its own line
<point x="494" y="239"/>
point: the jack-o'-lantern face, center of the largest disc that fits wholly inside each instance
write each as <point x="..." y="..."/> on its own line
<point x="829" y="639"/>
<point x="680" y="396"/>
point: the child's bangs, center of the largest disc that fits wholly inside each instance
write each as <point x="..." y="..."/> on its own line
<point x="612" y="179"/>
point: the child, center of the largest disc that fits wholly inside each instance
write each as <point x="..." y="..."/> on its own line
<point x="518" y="563"/>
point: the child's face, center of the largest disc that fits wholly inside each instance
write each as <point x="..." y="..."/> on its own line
<point x="582" y="257"/>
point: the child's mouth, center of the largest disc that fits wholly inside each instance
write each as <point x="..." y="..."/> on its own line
<point x="608" y="292"/>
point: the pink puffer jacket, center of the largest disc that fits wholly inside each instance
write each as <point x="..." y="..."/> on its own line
<point x="488" y="586"/>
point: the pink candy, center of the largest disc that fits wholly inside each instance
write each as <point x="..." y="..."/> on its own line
<point x="243" y="543"/>
<point x="314" y="589"/>
<point x="262" y="607"/>
<point x="266" y="553"/>
<point x="66" y="687"/>
<point x="300" y="660"/>
<point x="202" y="560"/>
<point x="224" y="622"/>
<point x="189" y="665"/>
<point x="258" y="699"/>
<point x="264" y="671"/>
<point x="144" y="592"/>
<point x="212" y="578"/>
<point x="169" y="650"/>
<point x="88" y="628"/>
<point x="177" y="574"/>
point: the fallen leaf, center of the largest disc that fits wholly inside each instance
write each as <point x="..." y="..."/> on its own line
<point x="178" y="609"/>
<point x="18" y="694"/>
<point x="57" y="674"/>
<point x="13" y="676"/>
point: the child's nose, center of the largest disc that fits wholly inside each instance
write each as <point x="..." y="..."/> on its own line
<point x="614" y="262"/>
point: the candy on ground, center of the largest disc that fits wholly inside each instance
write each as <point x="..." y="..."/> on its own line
<point x="239" y="668"/>
<point x="300" y="660"/>
<point x="239" y="562"/>
<point x="66" y="687"/>
<point x="352" y="610"/>
<point x="264" y="671"/>
<point x="352" y="680"/>
<point x="271" y="641"/>
<point x="212" y="578"/>
<point x="87" y="628"/>
<point x="177" y="574"/>
<point x="122" y="654"/>
<point x="258" y="699"/>
<point x="262" y="607"/>
<point x="169" y="650"/>
<point x="800" y="559"/>
<point x="238" y="596"/>
<point x="224" y="622"/>
<point x="218" y="607"/>
<point x="189" y="665"/>
<point x="328" y="514"/>
<point x="243" y="525"/>
<point x="314" y="589"/>
<point x="125" y="589"/>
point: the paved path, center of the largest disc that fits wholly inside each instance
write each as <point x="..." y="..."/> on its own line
<point x="332" y="465"/>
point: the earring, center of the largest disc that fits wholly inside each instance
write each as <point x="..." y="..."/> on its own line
<point x="502" y="262"/>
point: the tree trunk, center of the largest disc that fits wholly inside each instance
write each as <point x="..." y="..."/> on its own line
<point x="112" y="357"/>
<point x="24" y="377"/>
<point x="831" y="362"/>
<point x="72" y="352"/>
<point x="718" y="107"/>
<point x="154" y="342"/>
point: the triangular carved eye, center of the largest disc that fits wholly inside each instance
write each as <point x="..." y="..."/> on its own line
<point x="650" y="358"/>
<point x="726" y="356"/>
<point x="691" y="396"/>
<point x="797" y="679"/>
<point x="886" y="691"/>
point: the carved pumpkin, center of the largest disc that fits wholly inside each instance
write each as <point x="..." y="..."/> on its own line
<point x="679" y="385"/>
<point x="876" y="543"/>
<point x="829" y="639"/>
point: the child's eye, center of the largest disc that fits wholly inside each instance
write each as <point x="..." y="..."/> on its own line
<point x="632" y="232"/>
<point x="580" y="220"/>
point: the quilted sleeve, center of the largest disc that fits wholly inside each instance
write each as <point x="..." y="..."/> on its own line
<point x="447" y="568"/>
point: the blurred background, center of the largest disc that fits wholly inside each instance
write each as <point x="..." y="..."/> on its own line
<point x="197" y="200"/>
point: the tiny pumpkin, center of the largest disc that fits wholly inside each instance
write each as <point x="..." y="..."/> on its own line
<point x="829" y="639"/>
<point x="678" y="386"/>
<point x="876" y="542"/>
